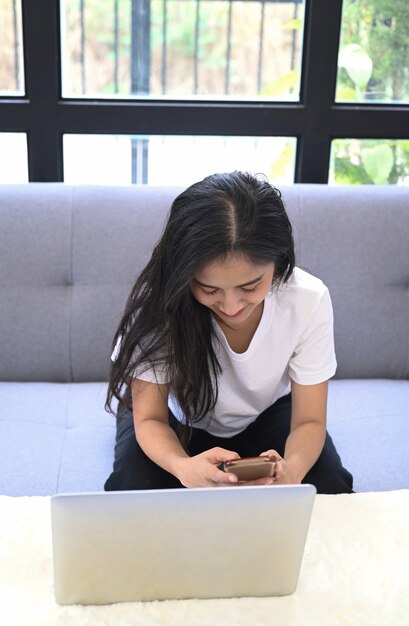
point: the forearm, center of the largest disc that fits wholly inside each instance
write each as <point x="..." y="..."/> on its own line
<point x="161" y="444"/>
<point x="303" y="447"/>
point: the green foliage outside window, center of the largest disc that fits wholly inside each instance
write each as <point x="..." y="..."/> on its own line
<point x="373" y="66"/>
<point x="370" y="161"/>
<point x="374" y="52"/>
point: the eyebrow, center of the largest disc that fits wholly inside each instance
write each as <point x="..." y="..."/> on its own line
<point x="250" y="282"/>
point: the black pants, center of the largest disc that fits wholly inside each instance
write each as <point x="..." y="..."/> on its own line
<point x="134" y="470"/>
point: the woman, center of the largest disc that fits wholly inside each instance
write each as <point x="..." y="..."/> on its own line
<point x="224" y="350"/>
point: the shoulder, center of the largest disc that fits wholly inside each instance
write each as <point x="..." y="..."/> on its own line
<point x="302" y="282"/>
<point x="302" y="295"/>
<point x="302" y="286"/>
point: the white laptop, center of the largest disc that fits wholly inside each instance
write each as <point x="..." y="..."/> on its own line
<point x="179" y="543"/>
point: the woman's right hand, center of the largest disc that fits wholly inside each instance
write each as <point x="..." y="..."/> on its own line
<point x="202" y="470"/>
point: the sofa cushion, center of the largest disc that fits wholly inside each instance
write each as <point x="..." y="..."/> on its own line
<point x="55" y="438"/>
<point x="68" y="258"/>
<point x="63" y="440"/>
<point x="356" y="240"/>
<point x="369" y="423"/>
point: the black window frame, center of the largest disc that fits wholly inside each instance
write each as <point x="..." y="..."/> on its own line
<point x="314" y="121"/>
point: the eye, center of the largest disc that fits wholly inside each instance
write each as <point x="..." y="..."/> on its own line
<point x="208" y="293"/>
<point x="247" y="290"/>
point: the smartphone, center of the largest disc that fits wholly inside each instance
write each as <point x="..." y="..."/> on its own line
<point x="251" y="467"/>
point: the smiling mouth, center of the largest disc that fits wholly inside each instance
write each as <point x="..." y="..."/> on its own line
<point x="235" y="314"/>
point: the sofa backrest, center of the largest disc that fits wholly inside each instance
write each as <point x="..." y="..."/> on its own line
<point x="69" y="255"/>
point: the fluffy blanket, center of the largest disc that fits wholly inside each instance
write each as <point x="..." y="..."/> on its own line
<point x="355" y="572"/>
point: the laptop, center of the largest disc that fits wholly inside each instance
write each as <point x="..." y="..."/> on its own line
<point x="220" y="542"/>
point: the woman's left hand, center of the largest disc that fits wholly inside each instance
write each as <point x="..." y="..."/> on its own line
<point x="281" y="474"/>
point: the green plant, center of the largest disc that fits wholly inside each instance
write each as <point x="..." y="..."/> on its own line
<point x="373" y="64"/>
<point x="370" y="161"/>
<point x="374" y="51"/>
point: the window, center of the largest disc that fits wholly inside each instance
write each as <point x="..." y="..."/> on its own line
<point x="173" y="160"/>
<point x="182" y="48"/>
<point x="13" y="158"/>
<point x="309" y="91"/>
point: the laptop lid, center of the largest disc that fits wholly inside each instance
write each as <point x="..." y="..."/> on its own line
<point x="179" y="543"/>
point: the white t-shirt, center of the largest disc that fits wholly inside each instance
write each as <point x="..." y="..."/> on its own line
<point x="294" y="340"/>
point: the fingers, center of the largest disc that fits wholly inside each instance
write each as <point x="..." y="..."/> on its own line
<point x="219" y="455"/>
<point x="279" y="467"/>
<point x="272" y="453"/>
<point x="206" y="472"/>
<point x="221" y="477"/>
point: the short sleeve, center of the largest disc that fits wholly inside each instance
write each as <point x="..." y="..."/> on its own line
<point x="152" y="374"/>
<point x="313" y="360"/>
<point x="158" y="373"/>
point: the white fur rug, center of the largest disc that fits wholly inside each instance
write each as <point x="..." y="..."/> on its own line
<point x="355" y="572"/>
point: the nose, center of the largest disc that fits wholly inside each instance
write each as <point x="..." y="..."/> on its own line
<point x="230" y="304"/>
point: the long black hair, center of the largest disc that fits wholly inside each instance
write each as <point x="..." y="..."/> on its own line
<point x="163" y="325"/>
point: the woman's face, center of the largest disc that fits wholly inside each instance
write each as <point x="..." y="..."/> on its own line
<point x="232" y="287"/>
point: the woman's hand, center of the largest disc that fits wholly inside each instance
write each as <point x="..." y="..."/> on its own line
<point x="202" y="470"/>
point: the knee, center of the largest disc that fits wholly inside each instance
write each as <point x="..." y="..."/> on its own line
<point x="329" y="478"/>
<point x="133" y="470"/>
<point x="144" y="478"/>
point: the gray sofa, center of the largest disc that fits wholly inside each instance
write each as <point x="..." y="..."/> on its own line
<point x="68" y="256"/>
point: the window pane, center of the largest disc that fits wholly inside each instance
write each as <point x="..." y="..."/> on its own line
<point x="11" y="48"/>
<point x="13" y="158"/>
<point x="369" y="161"/>
<point x="173" y="160"/>
<point x="373" y="61"/>
<point x="182" y="48"/>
